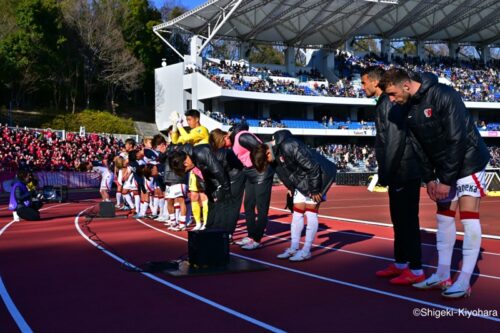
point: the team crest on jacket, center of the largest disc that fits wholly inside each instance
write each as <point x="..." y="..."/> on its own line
<point x="428" y="112"/>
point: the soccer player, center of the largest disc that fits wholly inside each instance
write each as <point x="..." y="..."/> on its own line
<point x="454" y="159"/>
<point x="398" y="168"/>
<point x="305" y="173"/>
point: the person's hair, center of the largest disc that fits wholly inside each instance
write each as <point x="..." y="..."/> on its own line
<point x="130" y="141"/>
<point x="176" y="162"/>
<point x="158" y="139"/>
<point x="192" y="113"/>
<point x="118" y="161"/>
<point x="392" y="77"/>
<point x="373" y="72"/>
<point x="258" y="156"/>
<point x="216" y="139"/>
<point x="147" y="139"/>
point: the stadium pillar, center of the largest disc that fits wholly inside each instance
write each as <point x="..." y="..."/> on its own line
<point x="218" y="106"/>
<point x="353" y="112"/>
<point x="453" y="50"/>
<point x="385" y="48"/>
<point x="195" y="46"/>
<point x="244" y="51"/>
<point x="421" y="49"/>
<point x="348" y="45"/>
<point x="290" y="59"/>
<point x="264" y="110"/>
<point x="484" y="53"/>
<point x="310" y="112"/>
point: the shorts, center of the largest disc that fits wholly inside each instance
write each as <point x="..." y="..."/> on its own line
<point x="298" y="197"/>
<point x="473" y="186"/>
<point x="150" y="184"/>
<point x="196" y="184"/>
<point x="106" y="182"/>
<point x="175" y="191"/>
<point x="130" y="184"/>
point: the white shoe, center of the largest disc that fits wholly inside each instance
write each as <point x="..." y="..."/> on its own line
<point x="196" y="227"/>
<point x="16" y="217"/>
<point x="252" y="245"/>
<point x="300" y="256"/>
<point x="433" y="282"/>
<point x="179" y="227"/>
<point x="457" y="291"/>
<point x="161" y="219"/>
<point x="243" y="241"/>
<point x="203" y="227"/>
<point x="287" y="254"/>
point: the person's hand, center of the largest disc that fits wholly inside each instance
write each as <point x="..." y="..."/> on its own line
<point x="289" y="193"/>
<point x="174" y="117"/>
<point x="442" y="191"/>
<point x="431" y="189"/>
<point x="316" y="197"/>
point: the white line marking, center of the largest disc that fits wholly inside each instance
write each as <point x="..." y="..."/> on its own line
<point x="179" y="289"/>
<point x="348" y="284"/>
<point x="343" y="219"/>
<point x="368" y="255"/>
<point x="383" y="238"/>
<point x="14" y="312"/>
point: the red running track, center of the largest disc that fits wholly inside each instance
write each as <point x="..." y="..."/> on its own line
<point x="60" y="282"/>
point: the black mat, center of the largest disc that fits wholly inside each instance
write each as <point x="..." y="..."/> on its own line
<point x="235" y="265"/>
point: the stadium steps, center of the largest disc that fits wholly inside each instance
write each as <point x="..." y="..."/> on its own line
<point x="145" y="129"/>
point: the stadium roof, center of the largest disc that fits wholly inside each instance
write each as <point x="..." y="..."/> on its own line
<point x="329" y="23"/>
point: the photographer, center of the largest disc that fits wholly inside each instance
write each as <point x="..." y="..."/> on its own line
<point x="21" y="203"/>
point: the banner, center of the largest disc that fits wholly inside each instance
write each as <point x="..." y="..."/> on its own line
<point x="69" y="178"/>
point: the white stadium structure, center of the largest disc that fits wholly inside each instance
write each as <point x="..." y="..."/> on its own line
<point x="322" y="26"/>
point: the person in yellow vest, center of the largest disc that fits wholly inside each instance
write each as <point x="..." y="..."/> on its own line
<point x="197" y="135"/>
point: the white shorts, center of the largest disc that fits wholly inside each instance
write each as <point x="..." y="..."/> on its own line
<point x="107" y="182"/>
<point x="473" y="186"/>
<point x="130" y="184"/>
<point x="298" y="197"/>
<point x="119" y="177"/>
<point x="150" y="184"/>
<point x="175" y="191"/>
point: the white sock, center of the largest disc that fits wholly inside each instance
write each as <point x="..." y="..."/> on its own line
<point x="296" y="229"/>
<point x="128" y="199"/>
<point x="400" y="266"/>
<point x="137" y="201"/>
<point x="182" y="220"/>
<point x="470" y="248"/>
<point x="161" y="205"/>
<point x="445" y="240"/>
<point x="118" y="198"/>
<point x="311" y="229"/>
<point x="154" y="206"/>
<point x="144" y="208"/>
<point x="172" y="219"/>
<point x="177" y="208"/>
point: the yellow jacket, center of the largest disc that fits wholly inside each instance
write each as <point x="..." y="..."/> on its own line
<point x="197" y="135"/>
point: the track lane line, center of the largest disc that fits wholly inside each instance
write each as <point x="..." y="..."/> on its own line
<point x="4" y="294"/>
<point x="348" y="284"/>
<point x="380" y="224"/>
<point x="177" y="288"/>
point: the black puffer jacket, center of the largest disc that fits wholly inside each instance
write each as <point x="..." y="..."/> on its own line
<point x="446" y="133"/>
<point x="300" y="167"/>
<point x="217" y="183"/>
<point x="230" y="163"/>
<point x="396" y="158"/>
<point x="169" y="176"/>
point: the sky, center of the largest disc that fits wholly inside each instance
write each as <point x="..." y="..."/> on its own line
<point x="189" y="4"/>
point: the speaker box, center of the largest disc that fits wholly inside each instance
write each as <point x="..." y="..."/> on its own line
<point x="58" y="193"/>
<point x="208" y="248"/>
<point x="106" y="209"/>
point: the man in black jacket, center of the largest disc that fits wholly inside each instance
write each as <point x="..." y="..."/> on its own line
<point x="185" y="158"/>
<point x="454" y="159"/>
<point x="398" y="168"/>
<point x="305" y="173"/>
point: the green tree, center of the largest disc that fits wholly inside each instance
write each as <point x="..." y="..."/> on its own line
<point x="266" y="54"/>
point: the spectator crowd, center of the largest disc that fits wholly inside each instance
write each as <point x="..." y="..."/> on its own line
<point x="46" y="150"/>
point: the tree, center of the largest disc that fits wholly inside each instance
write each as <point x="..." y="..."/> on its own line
<point x="266" y="54"/>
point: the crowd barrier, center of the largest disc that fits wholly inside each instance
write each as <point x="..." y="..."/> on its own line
<point x="354" y="178"/>
<point x="71" y="179"/>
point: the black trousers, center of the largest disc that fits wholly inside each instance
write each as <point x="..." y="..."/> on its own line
<point x="257" y="195"/>
<point x="404" y="202"/>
